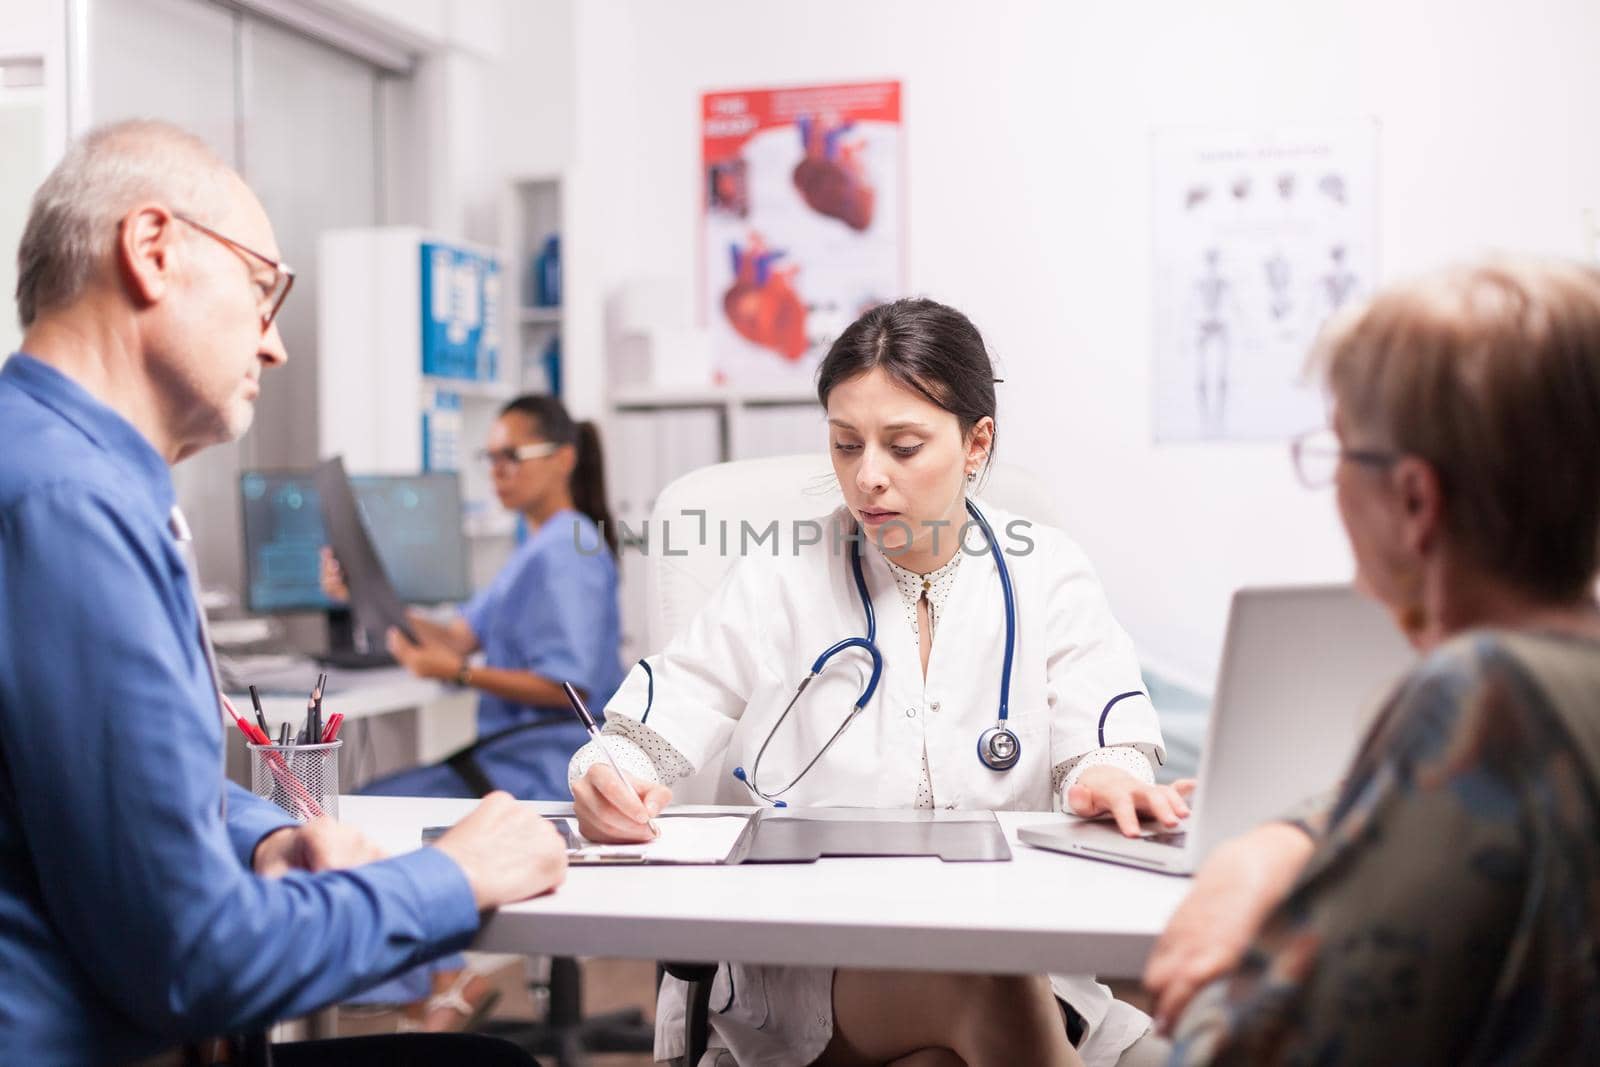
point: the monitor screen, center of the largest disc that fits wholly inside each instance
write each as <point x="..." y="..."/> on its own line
<point x="414" y="519"/>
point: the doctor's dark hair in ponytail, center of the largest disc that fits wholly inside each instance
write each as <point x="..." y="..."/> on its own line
<point x="588" y="481"/>
<point x="925" y="346"/>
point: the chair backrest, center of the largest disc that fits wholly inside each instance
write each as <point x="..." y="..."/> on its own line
<point x="695" y="530"/>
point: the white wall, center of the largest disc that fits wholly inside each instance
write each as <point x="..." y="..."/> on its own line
<point x="33" y="124"/>
<point x="1028" y="130"/>
<point x="39" y="28"/>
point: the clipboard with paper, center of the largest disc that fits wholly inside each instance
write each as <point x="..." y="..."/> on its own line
<point x="793" y="835"/>
<point x="687" y="839"/>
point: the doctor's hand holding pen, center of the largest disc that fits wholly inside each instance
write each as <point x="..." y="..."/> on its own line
<point x="613" y="811"/>
<point x="1113" y="791"/>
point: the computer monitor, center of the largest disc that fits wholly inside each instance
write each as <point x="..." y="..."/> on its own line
<point x="414" y="519"/>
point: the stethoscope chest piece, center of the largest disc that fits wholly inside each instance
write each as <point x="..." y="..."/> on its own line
<point x="999" y="748"/>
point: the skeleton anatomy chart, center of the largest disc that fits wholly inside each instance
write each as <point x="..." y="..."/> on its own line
<point x="1260" y="235"/>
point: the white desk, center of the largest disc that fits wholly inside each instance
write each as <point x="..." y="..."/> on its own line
<point x="358" y="694"/>
<point x="1040" y="912"/>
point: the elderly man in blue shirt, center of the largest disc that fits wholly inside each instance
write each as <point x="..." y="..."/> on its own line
<point x="144" y="902"/>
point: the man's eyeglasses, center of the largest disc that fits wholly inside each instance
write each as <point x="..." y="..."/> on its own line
<point x="1318" y="453"/>
<point x="511" y="457"/>
<point x="273" y="294"/>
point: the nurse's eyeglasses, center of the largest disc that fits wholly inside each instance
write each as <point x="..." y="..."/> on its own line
<point x="512" y="457"/>
<point x="1318" y="453"/>
<point x="271" y="294"/>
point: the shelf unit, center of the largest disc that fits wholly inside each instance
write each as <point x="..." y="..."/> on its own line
<point x="375" y="399"/>
<point x="654" y="436"/>
<point x="738" y="412"/>
<point x="533" y="214"/>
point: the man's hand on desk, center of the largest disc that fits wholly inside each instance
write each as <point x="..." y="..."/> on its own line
<point x="507" y="851"/>
<point x="614" y="812"/>
<point x="320" y="845"/>
<point x="1234" y="891"/>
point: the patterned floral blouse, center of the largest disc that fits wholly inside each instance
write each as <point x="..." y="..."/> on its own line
<point x="1451" y="912"/>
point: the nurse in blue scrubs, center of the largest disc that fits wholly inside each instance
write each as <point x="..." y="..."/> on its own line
<point x="550" y="616"/>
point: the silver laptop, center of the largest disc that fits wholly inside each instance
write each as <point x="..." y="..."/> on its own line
<point x="1303" y="671"/>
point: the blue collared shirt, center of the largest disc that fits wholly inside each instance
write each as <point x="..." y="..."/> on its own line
<point x="129" y="915"/>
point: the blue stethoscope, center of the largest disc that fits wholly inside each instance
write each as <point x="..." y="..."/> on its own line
<point x="999" y="748"/>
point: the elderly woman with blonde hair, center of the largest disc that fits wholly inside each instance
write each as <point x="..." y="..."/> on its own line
<point x="1446" y="907"/>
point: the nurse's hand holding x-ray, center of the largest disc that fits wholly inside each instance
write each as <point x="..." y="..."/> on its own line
<point x="439" y="648"/>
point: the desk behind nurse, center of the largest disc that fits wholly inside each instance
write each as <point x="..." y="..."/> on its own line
<point x="549" y="616"/>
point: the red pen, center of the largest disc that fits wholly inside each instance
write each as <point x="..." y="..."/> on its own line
<point x="330" y="732"/>
<point x="246" y="727"/>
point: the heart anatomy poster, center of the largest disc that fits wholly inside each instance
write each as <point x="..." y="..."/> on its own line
<point x="1260" y="235"/>
<point x="802" y="223"/>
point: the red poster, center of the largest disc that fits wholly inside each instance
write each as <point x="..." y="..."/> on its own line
<point x="803" y="223"/>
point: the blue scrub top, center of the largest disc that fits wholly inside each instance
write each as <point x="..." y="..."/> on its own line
<point x="129" y="916"/>
<point x="552" y="610"/>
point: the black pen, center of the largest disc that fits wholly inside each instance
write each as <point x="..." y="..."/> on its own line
<point x="309" y="733"/>
<point x="316" y="699"/>
<point x="283" y="735"/>
<point x="261" y="720"/>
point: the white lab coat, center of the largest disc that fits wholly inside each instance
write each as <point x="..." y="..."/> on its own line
<point x="722" y="683"/>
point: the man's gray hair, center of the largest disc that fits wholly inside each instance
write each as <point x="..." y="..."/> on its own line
<point x="72" y="226"/>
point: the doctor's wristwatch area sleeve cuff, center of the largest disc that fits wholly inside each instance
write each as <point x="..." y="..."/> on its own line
<point x="640" y="751"/>
<point x="630" y="757"/>
<point x="1138" y="760"/>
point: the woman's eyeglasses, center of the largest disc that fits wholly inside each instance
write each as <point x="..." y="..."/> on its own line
<point x="511" y="457"/>
<point x="1318" y="453"/>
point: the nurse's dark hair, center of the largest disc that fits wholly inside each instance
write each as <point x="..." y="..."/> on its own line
<point x="588" y="482"/>
<point x="928" y="347"/>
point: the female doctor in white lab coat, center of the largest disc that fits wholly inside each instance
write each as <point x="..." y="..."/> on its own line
<point x="910" y="401"/>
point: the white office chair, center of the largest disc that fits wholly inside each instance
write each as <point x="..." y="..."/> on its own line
<point x="696" y="532"/>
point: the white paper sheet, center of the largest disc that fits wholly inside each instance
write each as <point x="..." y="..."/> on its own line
<point x="683" y="839"/>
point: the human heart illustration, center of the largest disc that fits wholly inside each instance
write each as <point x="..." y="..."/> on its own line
<point x="831" y="178"/>
<point x="762" y="303"/>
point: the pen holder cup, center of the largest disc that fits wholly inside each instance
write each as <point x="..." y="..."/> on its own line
<point x="303" y="780"/>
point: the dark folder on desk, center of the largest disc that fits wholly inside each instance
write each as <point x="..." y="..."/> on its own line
<point x="796" y="835"/>
<point x="804" y="835"/>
